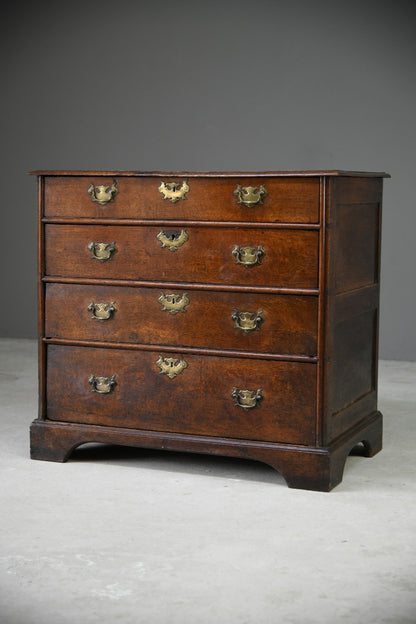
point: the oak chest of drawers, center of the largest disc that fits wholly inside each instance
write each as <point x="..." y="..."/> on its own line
<point x="232" y="314"/>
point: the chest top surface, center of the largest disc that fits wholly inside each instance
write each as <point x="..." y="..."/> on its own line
<point x="216" y="174"/>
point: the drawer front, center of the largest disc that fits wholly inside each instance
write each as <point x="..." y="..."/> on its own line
<point x="125" y="388"/>
<point x="288" y="258"/>
<point x="284" y="324"/>
<point x="284" y="200"/>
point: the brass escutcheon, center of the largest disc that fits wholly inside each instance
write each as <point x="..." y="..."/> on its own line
<point x="102" y="251"/>
<point x="247" y="321"/>
<point x="250" y="195"/>
<point x="247" y="399"/>
<point x="170" y="366"/>
<point x="248" y="256"/>
<point x="102" y="194"/>
<point x="101" y="311"/>
<point x="173" y="303"/>
<point x="174" y="191"/>
<point x="102" y="385"/>
<point x="172" y="240"/>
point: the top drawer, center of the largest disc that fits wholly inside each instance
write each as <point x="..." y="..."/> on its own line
<point x="261" y="199"/>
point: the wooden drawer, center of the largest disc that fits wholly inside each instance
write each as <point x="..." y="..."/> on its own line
<point x="209" y="199"/>
<point x="290" y="255"/>
<point x="287" y="324"/>
<point x="197" y="401"/>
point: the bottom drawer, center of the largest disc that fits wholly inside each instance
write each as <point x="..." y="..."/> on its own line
<point x="194" y="394"/>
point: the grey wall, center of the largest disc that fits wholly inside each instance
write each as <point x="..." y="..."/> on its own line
<point x="208" y="86"/>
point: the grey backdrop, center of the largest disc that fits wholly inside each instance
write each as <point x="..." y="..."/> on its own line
<point x="218" y="85"/>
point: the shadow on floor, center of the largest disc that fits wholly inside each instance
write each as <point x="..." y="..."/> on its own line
<point x="173" y="461"/>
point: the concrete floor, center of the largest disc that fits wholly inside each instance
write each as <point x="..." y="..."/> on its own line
<point x="133" y="536"/>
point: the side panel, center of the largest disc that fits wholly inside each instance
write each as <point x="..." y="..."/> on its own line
<point x="352" y="302"/>
<point x="41" y="302"/>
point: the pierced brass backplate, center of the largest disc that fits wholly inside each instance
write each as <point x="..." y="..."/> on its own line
<point x="170" y="366"/>
<point x="102" y="251"/>
<point x="102" y="194"/>
<point x="250" y="195"/>
<point x="247" y="399"/>
<point x="248" y="256"/>
<point x="247" y="321"/>
<point x="102" y="385"/>
<point x="172" y="240"/>
<point x="173" y="303"/>
<point x="102" y="311"/>
<point x="174" y="191"/>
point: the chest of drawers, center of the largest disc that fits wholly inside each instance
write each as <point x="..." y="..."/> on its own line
<point x="231" y="314"/>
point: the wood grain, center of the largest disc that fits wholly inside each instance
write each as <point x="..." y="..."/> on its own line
<point x="197" y="401"/>
<point x="289" y="325"/>
<point x="288" y="199"/>
<point x="290" y="260"/>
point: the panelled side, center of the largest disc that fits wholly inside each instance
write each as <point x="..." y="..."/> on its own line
<point x="41" y="302"/>
<point x="352" y="302"/>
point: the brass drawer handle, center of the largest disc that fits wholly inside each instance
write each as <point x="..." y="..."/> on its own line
<point x="102" y="251"/>
<point x="247" y="399"/>
<point x="250" y="195"/>
<point x="172" y="240"/>
<point x="247" y="321"/>
<point x="173" y="303"/>
<point x="248" y="256"/>
<point x="101" y="311"/>
<point x="102" y="385"/>
<point x="102" y="194"/>
<point x="170" y="366"/>
<point x="174" y="191"/>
